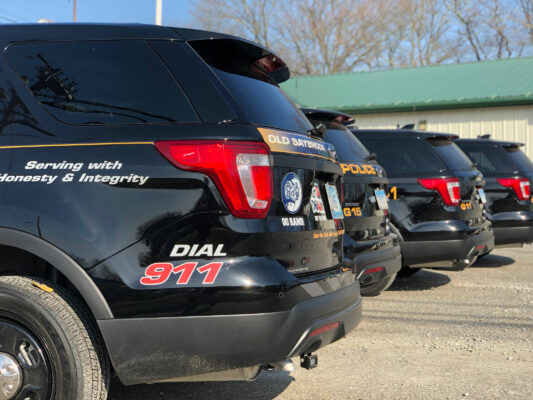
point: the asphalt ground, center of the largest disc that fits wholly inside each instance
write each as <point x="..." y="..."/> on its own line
<point x="436" y="335"/>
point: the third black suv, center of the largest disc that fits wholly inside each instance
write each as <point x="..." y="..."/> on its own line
<point x="156" y="213"/>
<point x="436" y="197"/>
<point x="368" y="242"/>
<point x="508" y="173"/>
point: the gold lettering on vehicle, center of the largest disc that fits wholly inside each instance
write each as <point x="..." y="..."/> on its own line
<point x="358" y="169"/>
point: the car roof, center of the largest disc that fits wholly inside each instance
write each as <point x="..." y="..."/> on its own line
<point x="405" y="133"/>
<point x="24" y="33"/>
<point x="503" y="143"/>
<point x="318" y="113"/>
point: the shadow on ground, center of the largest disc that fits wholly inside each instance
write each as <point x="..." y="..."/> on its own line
<point x="492" y="261"/>
<point x="268" y="386"/>
<point x="422" y="280"/>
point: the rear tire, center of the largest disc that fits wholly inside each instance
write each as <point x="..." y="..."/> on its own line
<point x="377" y="287"/>
<point x="67" y="358"/>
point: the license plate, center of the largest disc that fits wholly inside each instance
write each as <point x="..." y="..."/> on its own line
<point x="381" y="198"/>
<point x="482" y="195"/>
<point x="334" y="203"/>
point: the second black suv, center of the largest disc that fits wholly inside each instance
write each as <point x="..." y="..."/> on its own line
<point x="368" y="242"/>
<point x="508" y="173"/>
<point x="436" y="197"/>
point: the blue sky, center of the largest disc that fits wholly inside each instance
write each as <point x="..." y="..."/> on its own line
<point x="175" y="12"/>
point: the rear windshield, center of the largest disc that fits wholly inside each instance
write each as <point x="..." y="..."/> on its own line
<point x="520" y="158"/>
<point x="452" y="155"/>
<point x="264" y="103"/>
<point x="101" y="82"/>
<point x="490" y="159"/>
<point x="347" y="146"/>
<point x="404" y="156"/>
<point x="253" y="90"/>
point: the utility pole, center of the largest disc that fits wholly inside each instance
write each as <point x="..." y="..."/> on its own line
<point x="158" y="12"/>
<point x="74" y="11"/>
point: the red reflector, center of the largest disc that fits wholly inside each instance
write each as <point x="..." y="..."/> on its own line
<point x="372" y="270"/>
<point x="521" y="186"/>
<point x="481" y="246"/>
<point x="240" y="170"/>
<point x="324" y="328"/>
<point x="448" y="188"/>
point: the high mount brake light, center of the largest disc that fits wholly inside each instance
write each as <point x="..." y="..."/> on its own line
<point x="448" y="188"/>
<point x="521" y="186"/>
<point x="240" y="170"/>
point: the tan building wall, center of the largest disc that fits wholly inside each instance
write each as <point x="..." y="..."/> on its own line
<point x="514" y="123"/>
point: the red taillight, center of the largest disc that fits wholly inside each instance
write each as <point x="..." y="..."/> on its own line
<point x="240" y="170"/>
<point x="519" y="185"/>
<point x="448" y="188"/>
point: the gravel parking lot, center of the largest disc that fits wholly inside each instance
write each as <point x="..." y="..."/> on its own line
<point x="436" y="335"/>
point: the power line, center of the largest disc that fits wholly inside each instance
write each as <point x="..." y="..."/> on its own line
<point x="11" y="15"/>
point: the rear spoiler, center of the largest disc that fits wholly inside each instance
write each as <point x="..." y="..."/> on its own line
<point x="443" y="136"/>
<point x="503" y="143"/>
<point x="328" y="115"/>
<point x="233" y="46"/>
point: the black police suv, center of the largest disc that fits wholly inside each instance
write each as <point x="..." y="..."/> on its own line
<point x="508" y="173"/>
<point x="156" y="212"/>
<point x="436" y="198"/>
<point x="368" y="241"/>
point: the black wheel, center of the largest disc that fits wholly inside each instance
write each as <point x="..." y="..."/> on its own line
<point x="377" y="287"/>
<point x="50" y="343"/>
<point x="406" y="272"/>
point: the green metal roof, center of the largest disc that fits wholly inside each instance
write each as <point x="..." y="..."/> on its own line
<point x="480" y="84"/>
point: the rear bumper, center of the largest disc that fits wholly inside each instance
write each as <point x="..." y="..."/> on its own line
<point x="375" y="265"/>
<point x="425" y="252"/>
<point x="147" y="350"/>
<point x="512" y="228"/>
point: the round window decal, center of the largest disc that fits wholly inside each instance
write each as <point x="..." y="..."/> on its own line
<point x="291" y="192"/>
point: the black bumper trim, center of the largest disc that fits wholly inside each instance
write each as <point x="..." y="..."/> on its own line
<point x="420" y="252"/>
<point x="146" y="350"/>
<point x="506" y="235"/>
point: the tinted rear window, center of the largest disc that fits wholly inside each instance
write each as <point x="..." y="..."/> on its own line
<point x="347" y="146"/>
<point x="490" y="159"/>
<point x="520" y="158"/>
<point x="101" y="82"/>
<point x="264" y="103"/>
<point x="255" y="93"/>
<point x="452" y="155"/>
<point x="404" y="156"/>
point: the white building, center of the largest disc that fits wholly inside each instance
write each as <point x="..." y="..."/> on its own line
<point x="494" y="97"/>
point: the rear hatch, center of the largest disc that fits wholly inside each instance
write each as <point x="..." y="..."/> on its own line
<point x="305" y="216"/>
<point x="364" y="183"/>
<point x="428" y="175"/>
<point x="471" y="203"/>
<point x="507" y="171"/>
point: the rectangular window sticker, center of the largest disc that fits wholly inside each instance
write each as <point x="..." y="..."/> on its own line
<point x="381" y="197"/>
<point x="334" y="203"/>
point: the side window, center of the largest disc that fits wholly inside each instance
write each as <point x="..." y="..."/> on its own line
<point x="101" y="82"/>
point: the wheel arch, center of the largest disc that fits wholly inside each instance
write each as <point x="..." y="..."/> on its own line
<point x="61" y="261"/>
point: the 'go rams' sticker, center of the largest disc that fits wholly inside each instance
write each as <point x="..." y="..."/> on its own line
<point x="294" y="143"/>
<point x="159" y="273"/>
<point x="358" y="169"/>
